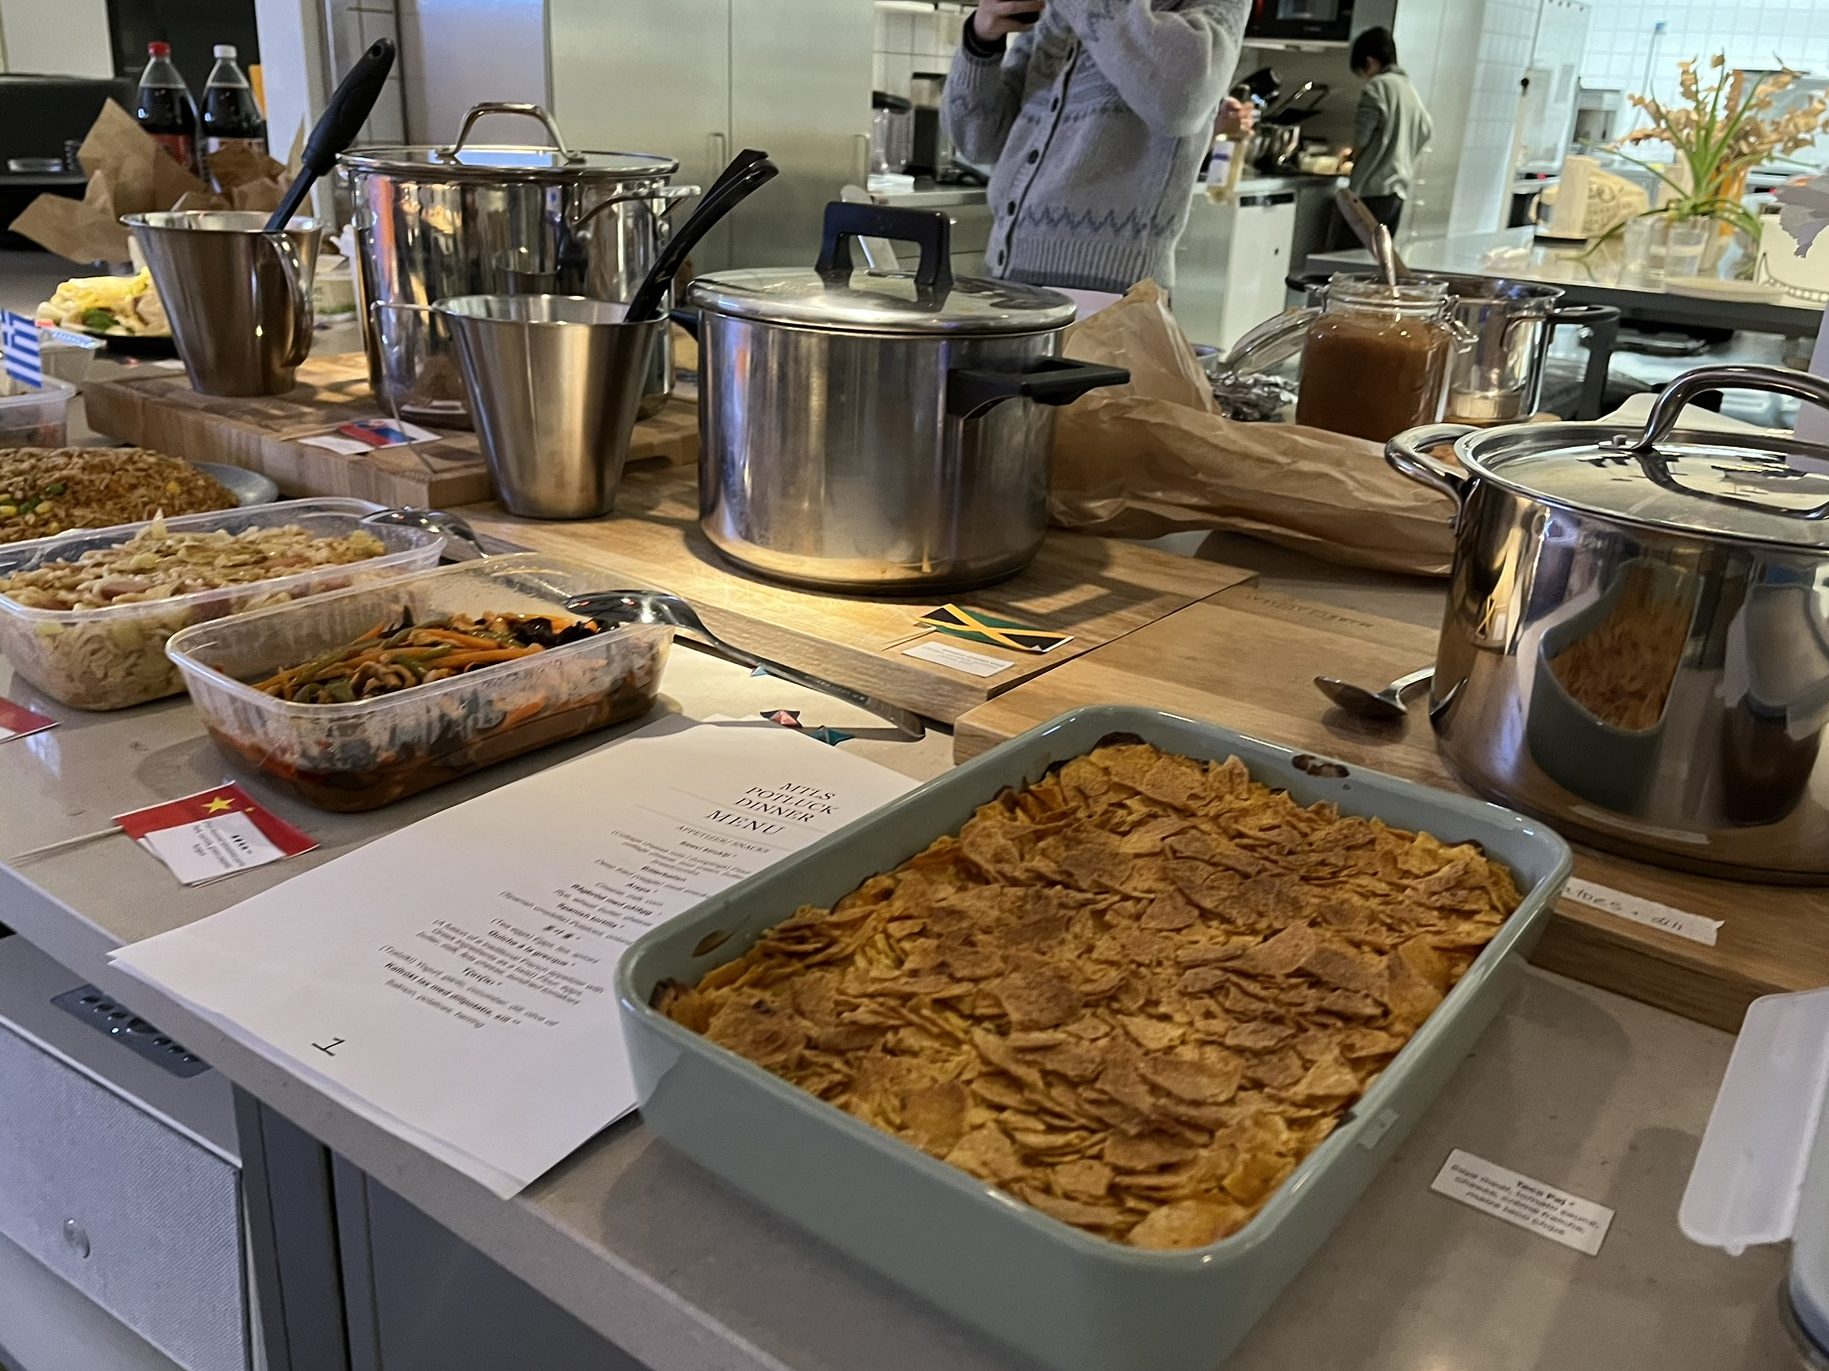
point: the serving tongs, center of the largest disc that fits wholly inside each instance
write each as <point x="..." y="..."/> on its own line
<point x="656" y="607"/>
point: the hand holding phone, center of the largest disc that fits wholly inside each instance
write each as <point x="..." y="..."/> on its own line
<point x="996" y="19"/>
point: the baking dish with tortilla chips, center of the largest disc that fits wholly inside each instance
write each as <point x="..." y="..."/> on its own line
<point x="1071" y="1299"/>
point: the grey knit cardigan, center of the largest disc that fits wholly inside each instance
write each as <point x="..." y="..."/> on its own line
<point x="1098" y="120"/>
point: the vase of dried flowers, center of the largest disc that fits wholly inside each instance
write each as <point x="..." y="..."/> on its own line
<point x="1718" y="129"/>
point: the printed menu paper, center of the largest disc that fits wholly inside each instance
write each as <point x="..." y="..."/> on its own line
<point x="214" y="833"/>
<point x="16" y="721"/>
<point x="453" y="981"/>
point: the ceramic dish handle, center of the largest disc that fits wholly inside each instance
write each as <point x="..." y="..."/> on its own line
<point x="1408" y="453"/>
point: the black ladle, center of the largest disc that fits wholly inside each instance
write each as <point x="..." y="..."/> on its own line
<point x="574" y="256"/>
<point x="724" y="196"/>
<point x="342" y="120"/>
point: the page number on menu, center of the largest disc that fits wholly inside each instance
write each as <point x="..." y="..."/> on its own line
<point x="329" y="1049"/>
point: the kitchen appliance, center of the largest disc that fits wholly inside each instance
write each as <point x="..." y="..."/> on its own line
<point x="891" y="133"/>
<point x="932" y="153"/>
<point x="238" y="296"/>
<point x="1277" y="141"/>
<point x="489" y="219"/>
<point x="554" y="383"/>
<point x="1503" y="331"/>
<point x="880" y="431"/>
<point x="1315" y="21"/>
<point x="1064" y="1298"/>
<point x="1636" y="642"/>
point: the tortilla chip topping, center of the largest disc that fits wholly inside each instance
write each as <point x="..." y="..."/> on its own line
<point x="1134" y="995"/>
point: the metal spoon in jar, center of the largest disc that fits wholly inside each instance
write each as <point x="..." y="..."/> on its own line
<point x="655" y="607"/>
<point x="1385" y="705"/>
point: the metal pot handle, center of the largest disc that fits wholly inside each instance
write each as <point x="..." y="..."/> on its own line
<point x="930" y="230"/>
<point x="449" y="154"/>
<point x="292" y="267"/>
<point x="1668" y="407"/>
<point x="1048" y="381"/>
<point x="1408" y="454"/>
<point x="1602" y="323"/>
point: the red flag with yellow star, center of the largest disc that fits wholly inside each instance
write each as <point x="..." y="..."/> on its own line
<point x="214" y="833"/>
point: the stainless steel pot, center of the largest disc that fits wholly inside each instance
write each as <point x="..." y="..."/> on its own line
<point x="474" y="219"/>
<point x="1505" y="330"/>
<point x="882" y="431"/>
<point x="1636" y="643"/>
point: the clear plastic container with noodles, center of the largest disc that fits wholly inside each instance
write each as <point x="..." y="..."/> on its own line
<point x="113" y="656"/>
<point x="371" y="752"/>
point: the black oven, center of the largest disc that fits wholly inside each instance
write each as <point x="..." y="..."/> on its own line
<point x="1316" y="20"/>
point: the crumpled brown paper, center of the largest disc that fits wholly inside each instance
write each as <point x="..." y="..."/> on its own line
<point x="1156" y="457"/>
<point x="129" y="173"/>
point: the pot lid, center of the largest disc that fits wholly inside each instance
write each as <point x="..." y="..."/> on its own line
<point x="1750" y="486"/>
<point x="882" y="302"/>
<point x="510" y="162"/>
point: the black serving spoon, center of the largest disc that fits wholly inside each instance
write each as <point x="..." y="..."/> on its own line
<point x="726" y="193"/>
<point x="342" y="119"/>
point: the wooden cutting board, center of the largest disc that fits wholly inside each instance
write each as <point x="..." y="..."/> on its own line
<point x="158" y="409"/>
<point x="1095" y="589"/>
<point x="1247" y="659"/>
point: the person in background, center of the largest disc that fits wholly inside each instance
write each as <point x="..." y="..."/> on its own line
<point x="1098" y="116"/>
<point x="1390" y="129"/>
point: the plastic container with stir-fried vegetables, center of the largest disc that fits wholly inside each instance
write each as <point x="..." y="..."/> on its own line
<point x="358" y="699"/>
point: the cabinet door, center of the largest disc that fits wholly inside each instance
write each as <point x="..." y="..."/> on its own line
<point x="800" y="89"/>
<point x="649" y="78"/>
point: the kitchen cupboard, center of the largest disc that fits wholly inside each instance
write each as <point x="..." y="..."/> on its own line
<point x="701" y="79"/>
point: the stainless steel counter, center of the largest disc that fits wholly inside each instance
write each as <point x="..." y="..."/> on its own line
<point x="1575" y="1087"/>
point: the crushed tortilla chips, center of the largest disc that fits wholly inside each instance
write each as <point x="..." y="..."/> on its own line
<point x="1134" y="995"/>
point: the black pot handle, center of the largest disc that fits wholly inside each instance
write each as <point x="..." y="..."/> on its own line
<point x="1048" y="381"/>
<point x="929" y="229"/>
<point x="1602" y="323"/>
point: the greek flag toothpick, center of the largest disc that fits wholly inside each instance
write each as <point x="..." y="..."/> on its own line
<point x="20" y="343"/>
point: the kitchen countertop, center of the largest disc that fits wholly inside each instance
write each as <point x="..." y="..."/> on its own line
<point x="1578" y="1088"/>
<point x="929" y="196"/>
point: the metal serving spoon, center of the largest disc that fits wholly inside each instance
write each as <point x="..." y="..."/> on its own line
<point x="1386" y="705"/>
<point x="655" y="607"/>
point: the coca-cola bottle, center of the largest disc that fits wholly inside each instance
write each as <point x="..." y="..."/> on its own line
<point x="231" y="118"/>
<point x="165" y="108"/>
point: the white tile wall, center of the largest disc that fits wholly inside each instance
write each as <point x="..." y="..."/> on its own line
<point x="1508" y="31"/>
<point x="1624" y="41"/>
<point x="913" y="37"/>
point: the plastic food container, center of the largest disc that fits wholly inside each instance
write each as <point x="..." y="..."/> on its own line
<point x="373" y="752"/>
<point x="1070" y="1300"/>
<point x="113" y="658"/>
<point x="1762" y="1173"/>
<point x="34" y="418"/>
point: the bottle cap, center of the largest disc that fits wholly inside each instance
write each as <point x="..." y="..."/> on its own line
<point x="225" y="50"/>
<point x="158" y="49"/>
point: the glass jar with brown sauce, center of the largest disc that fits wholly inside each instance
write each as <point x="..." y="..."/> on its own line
<point x="1376" y="360"/>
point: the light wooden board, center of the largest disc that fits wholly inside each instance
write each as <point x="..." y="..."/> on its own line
<point x="1247" y="659"/>
<point x="1096" y="589"/>
<point x="158" y="409"/>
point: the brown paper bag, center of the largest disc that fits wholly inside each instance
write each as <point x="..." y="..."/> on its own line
<point x="1156" y="457"/>
<point x="129" y="173"/>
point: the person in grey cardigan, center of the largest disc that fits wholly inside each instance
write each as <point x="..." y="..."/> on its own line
<point x="1099" y="115"/>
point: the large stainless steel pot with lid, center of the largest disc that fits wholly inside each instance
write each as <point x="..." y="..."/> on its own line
<point x="882" y="431"/>
<point x="1636" y="643"/>
<point x="491" y="219"/>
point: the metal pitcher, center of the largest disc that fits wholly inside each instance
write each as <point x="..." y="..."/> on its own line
<point x="555" y="384"/>
<point x="238" y="297"/>
<point x="467" y="218"/>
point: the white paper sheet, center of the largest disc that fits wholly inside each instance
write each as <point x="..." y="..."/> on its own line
<point x="453" y="980"/>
